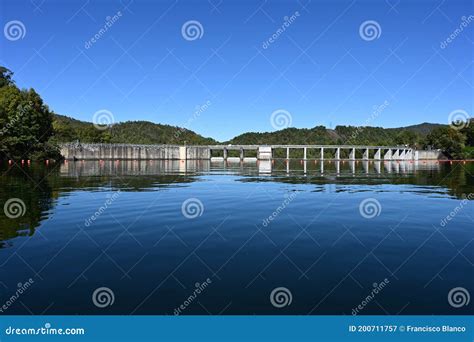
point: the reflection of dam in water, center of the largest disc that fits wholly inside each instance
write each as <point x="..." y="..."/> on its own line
<point x="275" y="166"/>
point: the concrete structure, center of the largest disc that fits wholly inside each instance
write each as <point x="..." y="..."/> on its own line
<point x="175" y="152"/>
<point x="265" y="153"/>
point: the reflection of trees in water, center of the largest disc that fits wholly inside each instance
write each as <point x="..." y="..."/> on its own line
<point x="39" y="186"/>
<point x="30" y="186"/>
<point x="455" y="179"/>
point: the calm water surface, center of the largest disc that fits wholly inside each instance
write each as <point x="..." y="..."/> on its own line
<point x="153" y="232"/>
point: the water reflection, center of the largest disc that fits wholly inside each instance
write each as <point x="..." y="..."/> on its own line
<point x="276" y="167"/>
<point x="39" y="186"/>
<point x="143" y="243"/>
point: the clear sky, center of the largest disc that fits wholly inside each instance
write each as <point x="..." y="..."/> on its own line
<point x="321" y="68"/>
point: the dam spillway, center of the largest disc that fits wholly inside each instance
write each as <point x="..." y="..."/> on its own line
<point x="78" y="151"/>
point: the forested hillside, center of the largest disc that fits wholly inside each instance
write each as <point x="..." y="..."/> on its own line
<point x="133" y="132"/>
<point x="411" y="135"/>
<point x="30" y="130"/>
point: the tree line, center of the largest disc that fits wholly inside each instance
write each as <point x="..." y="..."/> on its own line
<point x="30" y="130"/>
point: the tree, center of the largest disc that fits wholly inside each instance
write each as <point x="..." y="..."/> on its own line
<point x="25" y="122"/>
<point x="5" y="77"/>
<point x="468" y="131"/>
<point x="406" y="138"/>
<point x="449" y="140"/>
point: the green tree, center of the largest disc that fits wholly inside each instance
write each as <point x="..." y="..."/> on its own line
<point x="407" y="138"/>
<point x="449" y="140"/>
<point x="468" y="131"/>
<point x="25" y="122"/>
<point x="5" y="77"/>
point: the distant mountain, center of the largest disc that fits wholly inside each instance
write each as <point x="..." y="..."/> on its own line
<point x="340" y="135"/>
<point x="424" y="128"/>
<point x="67" y="129"/>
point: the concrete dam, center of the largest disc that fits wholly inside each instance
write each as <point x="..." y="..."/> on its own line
<point x="78" y="151"/>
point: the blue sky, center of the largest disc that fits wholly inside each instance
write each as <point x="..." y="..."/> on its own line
<point x="320" y="70"/>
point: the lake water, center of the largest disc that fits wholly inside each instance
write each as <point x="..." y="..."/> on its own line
<point x="169" y="237"/>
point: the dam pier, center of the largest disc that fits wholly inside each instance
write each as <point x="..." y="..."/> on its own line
<point x="78" y="151"/>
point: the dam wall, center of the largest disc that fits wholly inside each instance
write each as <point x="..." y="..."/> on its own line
<point x="429" y="155"/>
<point x="132" y="152"/>
<point x="78" y="151"/>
